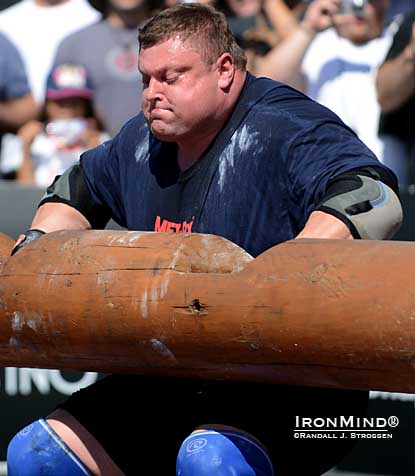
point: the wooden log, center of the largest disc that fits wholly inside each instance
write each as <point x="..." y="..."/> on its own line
<point x="325" y="313"/>
<point x="6" y="244"/>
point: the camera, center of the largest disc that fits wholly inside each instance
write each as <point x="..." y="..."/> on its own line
<point x="353" y="7"/>
<point x="66" y="132"/>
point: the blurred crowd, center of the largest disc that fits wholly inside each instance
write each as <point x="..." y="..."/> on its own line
<point x="69" y="79"/>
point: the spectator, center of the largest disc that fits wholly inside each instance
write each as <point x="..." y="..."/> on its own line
<point x="68" y="127"/>
<point x="16" y="101"/>
<point x="333" y="57"/>
<point x="109" y="49"/>
<point x="396" y="94"/>
<point x="37" y="26"/>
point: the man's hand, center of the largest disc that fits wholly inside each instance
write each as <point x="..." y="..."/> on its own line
<point x="319" y="15"/>
<point x="25" y="239"/>
<point x="29" y="131"/>
<point x="53" y="217"/>
<point x="325" y="226"/>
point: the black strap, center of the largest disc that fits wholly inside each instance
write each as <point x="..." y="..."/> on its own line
<point x="251" y="95"/>
<point x="29" y="236"/>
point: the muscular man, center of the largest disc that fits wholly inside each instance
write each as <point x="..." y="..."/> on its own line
<point x="244" y="158"/>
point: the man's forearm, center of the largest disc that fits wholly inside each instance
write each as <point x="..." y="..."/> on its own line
<point x="281" y="17"/>
<point x="283" y="62"/>
<point x="16" y="112"/>
<point x="394" y="89"/>
<point x="58" y="216"/>
<point x="325" y="226"/>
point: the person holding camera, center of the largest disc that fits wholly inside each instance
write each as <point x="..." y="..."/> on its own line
<point x="333" y="57"/>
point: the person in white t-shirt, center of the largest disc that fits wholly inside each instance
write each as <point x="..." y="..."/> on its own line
<point x="36" y="27"/>
<point x="333" y="57"/>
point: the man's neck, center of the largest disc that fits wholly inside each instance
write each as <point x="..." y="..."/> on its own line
<point x="130" y="19"/>
<point x="190" y="151"/>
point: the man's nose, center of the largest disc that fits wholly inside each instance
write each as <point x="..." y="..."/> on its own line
<point x="154" y="90"/>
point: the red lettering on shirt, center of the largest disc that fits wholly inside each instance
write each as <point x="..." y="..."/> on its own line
<point x="161" y="226"/>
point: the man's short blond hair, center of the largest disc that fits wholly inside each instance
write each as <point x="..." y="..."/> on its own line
<point x="203" y="27"/>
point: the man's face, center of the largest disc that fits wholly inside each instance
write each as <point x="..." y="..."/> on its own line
<point x="362" y="29"/>
<point x="181" y="93"/>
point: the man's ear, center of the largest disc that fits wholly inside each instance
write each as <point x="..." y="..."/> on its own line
<point x="226" y="69"/>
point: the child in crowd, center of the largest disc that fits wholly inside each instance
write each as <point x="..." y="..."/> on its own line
<point x="68" y="127"/>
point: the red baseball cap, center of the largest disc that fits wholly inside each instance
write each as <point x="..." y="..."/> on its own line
<point x="68" y="81"/>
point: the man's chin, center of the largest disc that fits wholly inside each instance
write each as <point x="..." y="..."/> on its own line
<point x="357" y="34"/>
<point x="163" y="135"/>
